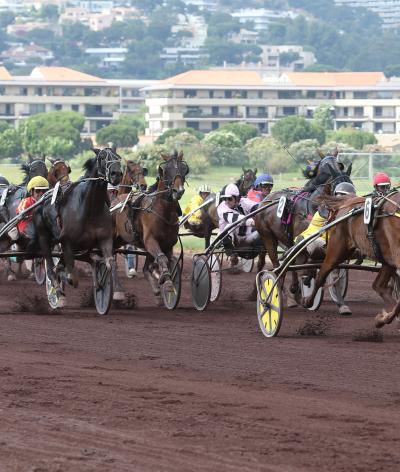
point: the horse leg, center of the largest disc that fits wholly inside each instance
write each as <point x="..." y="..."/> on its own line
<point x="153" y="281"/>
<point x="69" y="259"/>
<point x="161" y="259"/>
<point x="381" y="284"/>
<point x="336" y="253"/>
<point x="383" y="317"/>
<point x="119" y="292"/>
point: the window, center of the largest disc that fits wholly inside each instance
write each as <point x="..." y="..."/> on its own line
<point x="2" y="90"/>
<point x="57" y="107"/>
<point x="358" y="111"/>
<point x="288" y="111"/>
<point x="23" y="91"/>
<point x="69" y="91"/>
<point x="384" y="94"/>
<point x="311" y="94"/>
<point x="260" y="94"/>
<point x="38" y="91"/>
<point x="93" y="110"/>
<point x="75" y="107"/>
<point x="189" y="93"/>
<point x="285" y="94"/>
<point x="214" y="125"/>
<point x="211" y="94"/>
<point x="228" y="94"/>
<point x="214" y="111"/>
<point x="262" y="111"/>
<point x="360" y="95"/>
<point x="36" y="108"/>
<point x="192" y="124"/>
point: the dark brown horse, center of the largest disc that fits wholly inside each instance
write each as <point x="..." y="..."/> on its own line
<point x="352" y="234"/>
<point x="58" y="172"/>
<point x="151" y="222"/>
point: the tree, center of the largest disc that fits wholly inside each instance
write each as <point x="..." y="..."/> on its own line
<point x="295" y="128"/>
<point x="175" y="131"/>
<point x="143" y="58"/>
<point x="356" y="138"/>
<point x="120" y="134"/>
<point x="3" y="126"/>
<point x="6" y="18"/>
<point x="10" y="143"/>
<point x="37" y="129"/>
<point x="305" y="150"/>
<point x="286" y="58"/>
<point x="222" y="24"/>
<point x="267" y="155"/>
<point x="223" y="138"/>
<point x="49" y="12"/>
<point x="323" y="116"/>
<point x="243" y="131"/>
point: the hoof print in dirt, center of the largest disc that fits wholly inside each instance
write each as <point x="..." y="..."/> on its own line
<point x="35" y="304"/>
<point x="316" y="327"/>
<point x="128" y="303"/>
<point x="373" y="336"/>
<point x="87" y="299"/>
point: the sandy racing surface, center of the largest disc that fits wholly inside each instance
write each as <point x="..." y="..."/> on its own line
<point x="145" y="389"/>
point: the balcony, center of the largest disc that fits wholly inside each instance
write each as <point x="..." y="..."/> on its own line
<point x="200" y="114"/>
<point x="257" y="115"/>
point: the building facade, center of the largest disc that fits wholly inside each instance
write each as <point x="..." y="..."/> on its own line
<point x="206" y="99"/>
<point x="388" y="10"/>
<point x="49" y="89"/>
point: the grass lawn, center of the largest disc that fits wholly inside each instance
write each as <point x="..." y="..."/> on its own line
<point x="216" y="177"/>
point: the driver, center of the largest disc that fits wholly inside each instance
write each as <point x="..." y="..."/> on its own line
<point x="203" y="193"/>
<point x="262" y="187"/>
<point x="36" y="187"/>
<point x="245" y="235"/>
<point x="382" y="183"/>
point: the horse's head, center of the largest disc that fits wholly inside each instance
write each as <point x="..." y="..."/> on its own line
<point x="33" y="168"/>
<point x="173" y="172"/>
<point x="58" y="172"/>
<point x="108" y="165"/>
<point x="337" y="177"/>
<point x="135" y="174"/>
<point x="328" y="160"/>
<point x="246" y="181"/>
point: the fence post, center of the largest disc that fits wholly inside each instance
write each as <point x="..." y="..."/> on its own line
<point x="370" y="167"/>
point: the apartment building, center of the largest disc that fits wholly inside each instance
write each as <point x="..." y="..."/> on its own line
<point x="388" y="10"/>
<point x="206" y="99"/>
<point x="49" y="89"/>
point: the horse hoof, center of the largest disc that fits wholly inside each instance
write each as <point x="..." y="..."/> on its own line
<point x="11" y="278"/>
<point x="62" y="302"/>
<point x="344" y="310"/>
<point x="380" y="320"/>
<point x="168" y="286"/>
<point x="132" y="273"/>
<point x="119" y="296"/>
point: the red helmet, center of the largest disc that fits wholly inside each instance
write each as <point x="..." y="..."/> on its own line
<point x="381" y="179"/>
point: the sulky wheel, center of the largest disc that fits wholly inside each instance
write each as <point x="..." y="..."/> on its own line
<point x="171" y="298"/>
<point x="216" y="277"/>
<point x="269" y="305"/>
<point x="39" y="270"/>
<point x="307" y="286"/>
<point x="52" y="295"/>
<point x="103" y="287"/>
<point x="201" y="283"/>
<point x="246" y="265"/>
<point x="338" y="281"/>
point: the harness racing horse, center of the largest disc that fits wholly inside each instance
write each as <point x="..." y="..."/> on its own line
<point x="379" y="241"/>
<point x="151" y="222"/>
<point x="209" y="217"/>
<point x="134" y="175"/>
<point x="300" y="206"/>
<point x="81" y="219"/>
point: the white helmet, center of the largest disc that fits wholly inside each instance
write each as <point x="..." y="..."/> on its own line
<point x="204" y="188"/>
<point x="231" y="191"/>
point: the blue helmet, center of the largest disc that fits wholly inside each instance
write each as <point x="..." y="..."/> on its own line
<point x="263" y="179"/>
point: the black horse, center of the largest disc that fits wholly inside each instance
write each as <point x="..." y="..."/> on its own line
<point x="81" y="219"/>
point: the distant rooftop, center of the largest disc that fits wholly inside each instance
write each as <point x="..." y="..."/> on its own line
<point x="62" y="74"/>
<point x="215" y="77"/>
<point x="334" y="79"/>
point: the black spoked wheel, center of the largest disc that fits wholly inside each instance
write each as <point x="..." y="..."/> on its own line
<point x="307" y="286"/>
<point x="51" y="291"/>
<point x="103" y="287"/>
<point x="171" y="297"/>
<point x="39" y="270"/>
<point x="201" y="283"/>
<point x="338" y="281"/>
<point x="269" y="304"/>
<point x="216" y="277"/>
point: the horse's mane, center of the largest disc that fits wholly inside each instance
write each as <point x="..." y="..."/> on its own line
<point x="25" y="169"/>
<point x="89" y="167"/>
<point x="336" y="203"/>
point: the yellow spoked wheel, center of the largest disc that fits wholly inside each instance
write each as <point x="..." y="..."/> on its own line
<point x="269" y="305"/>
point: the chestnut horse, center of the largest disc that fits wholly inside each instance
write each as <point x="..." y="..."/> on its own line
<point x="270" y="226"/>
<point x="151" y="221"/>
<point x="382" y="245"/>
<point x="134" y="176"/>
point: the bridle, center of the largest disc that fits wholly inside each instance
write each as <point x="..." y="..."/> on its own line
<point x="105" y="162"/>
<point x="169" y="182"/>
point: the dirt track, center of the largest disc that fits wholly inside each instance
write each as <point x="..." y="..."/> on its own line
<point x="152" y="390"/>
